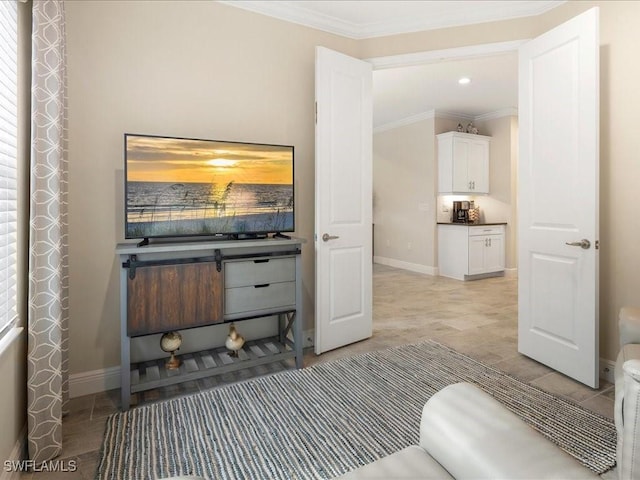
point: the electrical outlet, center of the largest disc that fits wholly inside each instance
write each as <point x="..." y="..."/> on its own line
<point x="606" y="370"/>
<point x="308" y="336"/>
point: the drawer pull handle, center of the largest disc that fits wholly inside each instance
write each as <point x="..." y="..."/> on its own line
<point x="261" y="260"/>
<point x="264" y="285"/>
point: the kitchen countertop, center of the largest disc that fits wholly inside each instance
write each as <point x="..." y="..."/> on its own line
<point x="472" y="224"/>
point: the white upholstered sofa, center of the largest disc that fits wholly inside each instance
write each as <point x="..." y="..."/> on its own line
<point x="466" y="434"/>
<point x="627" y="402"/>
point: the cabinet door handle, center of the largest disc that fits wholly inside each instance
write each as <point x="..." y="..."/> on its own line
<point x="263" y="285"/>
<point x="489" y="242"/>
<point x="261" y="260"/>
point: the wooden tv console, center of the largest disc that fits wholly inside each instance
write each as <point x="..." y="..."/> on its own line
<point x="175" y="286"/>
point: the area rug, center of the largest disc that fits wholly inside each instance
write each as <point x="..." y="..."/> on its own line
<point x="325" y="420"/>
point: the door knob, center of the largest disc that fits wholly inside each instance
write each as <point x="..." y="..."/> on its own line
<point x="326" y="237"/>
<point x="584" y="243"/>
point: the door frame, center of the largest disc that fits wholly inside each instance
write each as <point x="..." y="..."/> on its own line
<point x="438" y="56"/>
<point x="457" y="53"/>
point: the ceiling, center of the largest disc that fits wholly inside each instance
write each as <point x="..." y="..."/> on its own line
<point x="408" y="92"/>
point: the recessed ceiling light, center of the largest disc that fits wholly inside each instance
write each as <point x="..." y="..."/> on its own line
<point x="464" y="81"/>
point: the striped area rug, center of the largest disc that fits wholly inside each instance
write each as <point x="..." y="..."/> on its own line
<point x="325" y="420"/>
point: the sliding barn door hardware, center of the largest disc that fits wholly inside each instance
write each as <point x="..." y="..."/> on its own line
<point x="133" y="263"/>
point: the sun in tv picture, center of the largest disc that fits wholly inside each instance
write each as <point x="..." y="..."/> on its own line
<point x="183" y="187"/>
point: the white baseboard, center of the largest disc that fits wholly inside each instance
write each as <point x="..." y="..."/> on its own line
<point x="17" y="454"/>
<point x="510" y="272"/>
<point x="412" y="267"/>
<point x="94" y="381"/>
<point x="607" y="370"/>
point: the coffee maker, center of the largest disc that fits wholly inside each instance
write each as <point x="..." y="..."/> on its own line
<point x="461" y="211"/>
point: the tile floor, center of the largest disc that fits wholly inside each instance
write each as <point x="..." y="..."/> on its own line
<point x="476" y="318"/>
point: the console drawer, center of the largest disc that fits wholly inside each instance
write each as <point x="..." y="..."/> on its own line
<point x="486" y="230"/>
<point x="259" y="271"/>
<point x="259" y="297"/>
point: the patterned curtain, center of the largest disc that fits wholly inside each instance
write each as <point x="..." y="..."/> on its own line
<point x="47" y="385"/>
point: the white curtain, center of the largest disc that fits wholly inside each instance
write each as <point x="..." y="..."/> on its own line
<point x="47" y="385"/>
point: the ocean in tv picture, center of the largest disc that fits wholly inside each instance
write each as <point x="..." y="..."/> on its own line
<point x="165" y="209"/>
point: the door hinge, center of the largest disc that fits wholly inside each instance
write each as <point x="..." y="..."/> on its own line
<point x="316" y="113"/>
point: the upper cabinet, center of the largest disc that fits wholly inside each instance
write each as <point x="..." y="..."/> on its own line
<point x="463" y="163"/>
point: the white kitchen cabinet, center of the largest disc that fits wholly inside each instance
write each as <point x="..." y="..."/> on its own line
<point x="463" y="163"/>
<point x="465" y="251"/>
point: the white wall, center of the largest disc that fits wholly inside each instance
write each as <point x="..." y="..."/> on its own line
<point x="404" y="196"/>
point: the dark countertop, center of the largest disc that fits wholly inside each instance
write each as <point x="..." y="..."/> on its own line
<point x="472" y="224"/>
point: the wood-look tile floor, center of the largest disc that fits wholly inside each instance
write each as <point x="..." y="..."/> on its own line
<point x="477" y="318"/>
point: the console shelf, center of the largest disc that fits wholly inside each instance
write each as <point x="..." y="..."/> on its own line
<point x="176" y="286"/>
<point x="153" y="374"/>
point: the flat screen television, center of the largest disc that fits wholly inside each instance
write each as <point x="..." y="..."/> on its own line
<point x="184" y="187"/>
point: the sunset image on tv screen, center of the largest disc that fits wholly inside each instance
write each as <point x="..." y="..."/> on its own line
<point x="177" y="187"/>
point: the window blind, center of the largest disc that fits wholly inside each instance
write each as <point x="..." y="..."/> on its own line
<point x="8" y="162"/>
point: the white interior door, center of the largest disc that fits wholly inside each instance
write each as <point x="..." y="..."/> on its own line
<point x="343" y="200"/>
<point x="558" y="198"/>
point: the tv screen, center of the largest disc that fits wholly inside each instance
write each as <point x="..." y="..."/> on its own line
<point x="187" y="187"/>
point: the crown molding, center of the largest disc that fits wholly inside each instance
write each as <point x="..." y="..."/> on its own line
<point x="292" y="12"/>
<point x="296" y="12"/>
<point x="403" y="122"/>
<point x="453" y="115"/>
<point x="470" y="16"/>
<point x="437" y="56"/>
<point x="503" y="112"/>
<point x="430" y="114"/>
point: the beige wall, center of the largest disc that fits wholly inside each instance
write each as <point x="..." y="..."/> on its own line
<point x="404" y="195"/>
<point x="193" y="69"/>
<point x="619" y="144"/>
<point x="207" y="70"/>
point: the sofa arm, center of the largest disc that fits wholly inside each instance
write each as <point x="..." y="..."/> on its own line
<point x="473" y="436"/>
<point x="629" y="456"/>
<point x="629" y="325"/>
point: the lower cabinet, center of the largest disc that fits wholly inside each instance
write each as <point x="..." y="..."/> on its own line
<point x="468" y="251"/>
<point x="169" y="287"/>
